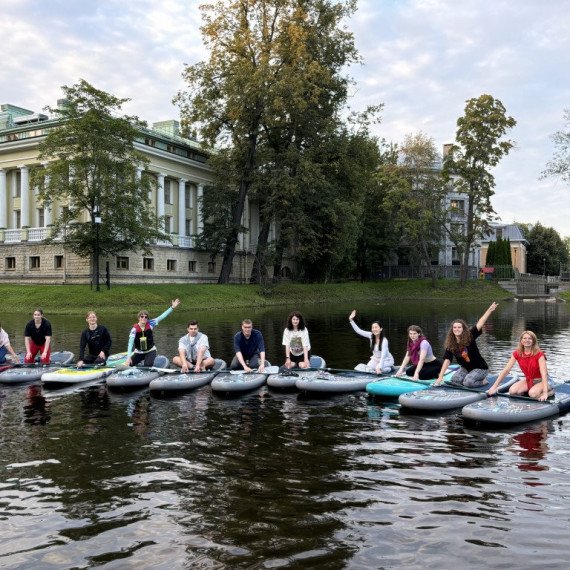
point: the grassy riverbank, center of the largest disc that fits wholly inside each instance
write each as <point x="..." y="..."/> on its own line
<point x="70" y="299"/>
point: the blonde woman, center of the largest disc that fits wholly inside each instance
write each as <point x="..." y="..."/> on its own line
<point x="532" y="363"/>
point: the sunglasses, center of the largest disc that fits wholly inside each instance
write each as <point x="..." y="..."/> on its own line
<point x="143" y="317"/>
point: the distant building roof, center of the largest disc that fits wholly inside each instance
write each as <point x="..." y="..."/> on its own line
<point x="506" y="231"/>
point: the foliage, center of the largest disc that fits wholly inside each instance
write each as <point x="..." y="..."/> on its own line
<point x="269" y="94"/>
<point x="546" y="251"/>
<point x="91" y="165"/>
<point x="560" y="163"/>
<point x="479" y="146"/>
<point x="416" y="201"/>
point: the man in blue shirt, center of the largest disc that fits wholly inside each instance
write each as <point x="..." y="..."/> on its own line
<point x="249" y="348"/>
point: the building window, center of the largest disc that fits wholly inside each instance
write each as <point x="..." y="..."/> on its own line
<point x="455" y="257"/>
<point x="41" y="218"/>
<point x="34" y="262"/>
<point x="458" y="205"/>
<point x="192" y="266"/>
<point x="10" y="263"/>
<point x="499" y="233"/>
<point x="188" y="227"/>
<point x="148" y="263"/>
<point x="58" y="261"/>
<point x="171" y="265"/>
<point x="17" y="219"/>
<point x="167" y="192"/>
<point x="122" y="262"/>
<point x="211" y="266"/>
<point x="18" y="185"/>
<point x="168" y="224"/>
<point x="458" y="229"/>
<point x="188" y="195"/>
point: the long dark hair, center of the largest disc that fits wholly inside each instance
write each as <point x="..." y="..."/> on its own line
<point x="301" y="326"/>
<point x="451" y="342"/>
<point x="380" y="336"/>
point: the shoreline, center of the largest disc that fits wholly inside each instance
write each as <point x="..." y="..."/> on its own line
<point x="70" y="299"/>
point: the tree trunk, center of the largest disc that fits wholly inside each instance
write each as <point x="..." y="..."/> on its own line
<point x="237" y="210"/>
<point x="259" y="269"/>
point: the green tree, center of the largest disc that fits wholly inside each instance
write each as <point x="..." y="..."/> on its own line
<point x="273" y="68"/>
<point x="560" y="163"/>
<point x="546" y="251"/>
<point x="479" y="146"/>
<point x="417" y="200"/>
<point x="91" y="168"/>
<point x="491" y="254"/>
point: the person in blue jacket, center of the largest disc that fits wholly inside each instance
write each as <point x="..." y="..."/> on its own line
<point x="249" y="348"/>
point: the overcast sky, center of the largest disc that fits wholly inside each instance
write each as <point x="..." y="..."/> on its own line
<point x="422" y="58"/>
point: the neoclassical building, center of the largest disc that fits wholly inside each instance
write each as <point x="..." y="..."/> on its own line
<point x="182" y="173"/>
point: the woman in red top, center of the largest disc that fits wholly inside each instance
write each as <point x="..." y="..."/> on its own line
<point x="532" y="362"/>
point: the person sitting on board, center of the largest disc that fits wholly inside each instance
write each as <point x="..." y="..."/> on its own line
<point x="532" y="362"/>
<point x="296" y="342"/>
<point x="96" y="339"/>
<point x="37" y="336"/>
<point x="193" y="350"/>
<point x="6" y="347"/>
<point x="141" y="342"/>
<point x="249" y="349"/>
<point x="461" y="343"/>
<point x="381" y="359"/>
<point x="419" y="352"/>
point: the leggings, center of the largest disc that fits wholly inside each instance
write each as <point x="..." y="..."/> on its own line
<point x="429" y="371"/>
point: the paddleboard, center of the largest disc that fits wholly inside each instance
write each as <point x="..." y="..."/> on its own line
<point x="69" y="376"/>
<point x="24" y="374"/>
<point x="240" y="382"/>
<point x="131" y="379"/>
<point x="287" y="377"/>
<point x="339" y="381"/>
<point x="394" y="386"/>
<point x="117" y="359"/>
<point x="181" y="382"/>
<point x="508" y="410"/>
<point x="450" y="396"/>
<point x="135" y="377"/>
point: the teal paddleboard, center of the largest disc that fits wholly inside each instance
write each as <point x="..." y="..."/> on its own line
<point x="395" y="386"/>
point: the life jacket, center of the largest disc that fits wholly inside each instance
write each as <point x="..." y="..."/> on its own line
<point x="144" y="340"/>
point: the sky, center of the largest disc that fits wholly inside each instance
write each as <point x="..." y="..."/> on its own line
<point x="422" y="59"/>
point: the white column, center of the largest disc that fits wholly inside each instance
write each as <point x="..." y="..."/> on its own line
<point x="160" y="195"/>
<point x="25" y="196"/>
<point x="47" y="209"/>
<point x="200" y="219"/>
<point x="3" y="200"/>
<point x="182" y="207"/>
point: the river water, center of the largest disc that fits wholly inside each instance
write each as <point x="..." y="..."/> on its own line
<point x="271" y="480"/>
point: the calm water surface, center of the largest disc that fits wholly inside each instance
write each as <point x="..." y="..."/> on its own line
<point x="271" y="480"/>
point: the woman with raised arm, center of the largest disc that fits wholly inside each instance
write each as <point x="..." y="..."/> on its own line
<point x="461" y="344"/>
<point x="532" y="362"/>
<point x="141" y="342"/>
<point x="381" y="359"/>
<point x="424" y="365"/>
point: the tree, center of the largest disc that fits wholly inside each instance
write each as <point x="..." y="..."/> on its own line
<point x="560" y="163"/>
<point x="91" y="170"/>
<point x="546" y="251"/>
<point x="417" y="200"/>
<point x="273" y="69"/>
<point x="479" y="146"/>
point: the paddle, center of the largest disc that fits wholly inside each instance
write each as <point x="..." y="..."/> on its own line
<point x="122" y="367"/>
<point x="268" y="370"/>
